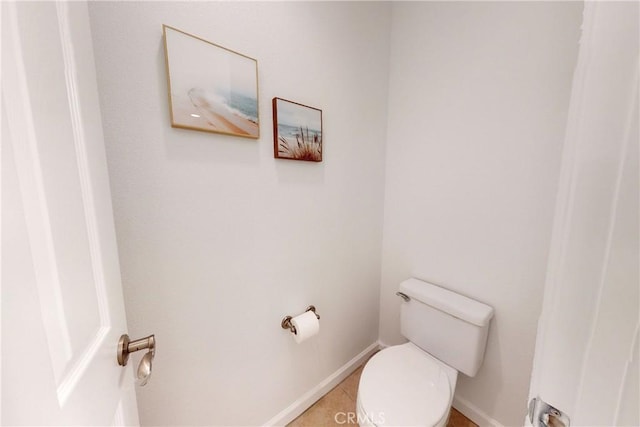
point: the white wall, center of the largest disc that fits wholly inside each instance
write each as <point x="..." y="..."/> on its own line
<point x="216" y="236"/>
<point x="218" y="240"/>
<point x="478" y="102"/>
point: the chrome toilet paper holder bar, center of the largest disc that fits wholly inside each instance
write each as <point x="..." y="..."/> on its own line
<point x="286" y="322"/>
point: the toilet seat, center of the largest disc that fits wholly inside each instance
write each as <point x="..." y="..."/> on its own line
<point x="405" y="386"/>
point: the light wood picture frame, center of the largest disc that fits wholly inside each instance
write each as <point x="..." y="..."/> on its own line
<point x="211" y="88"/>
<point x="297" y="131"/>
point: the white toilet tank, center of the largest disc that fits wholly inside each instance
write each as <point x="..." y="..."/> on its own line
<point x="447" y="325"/>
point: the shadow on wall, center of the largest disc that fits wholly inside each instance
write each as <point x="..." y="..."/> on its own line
<point x="492" y="369"/>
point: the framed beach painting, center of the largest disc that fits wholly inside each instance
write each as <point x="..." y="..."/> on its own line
<point x="297" y="131"/>
<point x="211" y="88"/>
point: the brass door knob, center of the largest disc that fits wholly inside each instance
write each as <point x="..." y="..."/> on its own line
<point x="126" y="347"/>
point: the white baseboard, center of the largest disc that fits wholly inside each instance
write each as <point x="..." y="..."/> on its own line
<point x="474" y="413"/>
<point x="382" y="345"/>
<point x="312" y="396"/>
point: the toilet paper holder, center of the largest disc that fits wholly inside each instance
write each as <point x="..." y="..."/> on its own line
<point x="286" y="322"/>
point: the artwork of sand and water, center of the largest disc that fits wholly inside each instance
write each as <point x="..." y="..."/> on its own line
<point x="211" y="88"/>
<point x="297" y="131"/>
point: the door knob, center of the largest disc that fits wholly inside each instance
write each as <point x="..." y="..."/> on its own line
<point x="144" y="369"/>
<point x="541" y="414"/>
<point x="126" y="347"/>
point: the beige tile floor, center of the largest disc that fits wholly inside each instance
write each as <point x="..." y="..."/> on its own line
<point x="334" y="408"/>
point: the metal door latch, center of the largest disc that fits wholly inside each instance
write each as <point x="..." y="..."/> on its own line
<point x="541" y="414"/>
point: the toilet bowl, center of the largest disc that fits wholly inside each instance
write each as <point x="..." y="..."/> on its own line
<point x="412" y="384"/>
<point x="405" y="386"/>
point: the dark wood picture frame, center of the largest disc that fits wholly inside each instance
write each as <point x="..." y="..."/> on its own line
<point x="297" y="131"/>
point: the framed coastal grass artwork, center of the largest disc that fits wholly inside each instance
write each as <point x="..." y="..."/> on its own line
<point x="297" y="131"/>
<point x="211" y="88"/>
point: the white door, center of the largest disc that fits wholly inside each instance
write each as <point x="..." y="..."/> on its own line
<point x="587" y="350"/>
<point x="62" y="303"/>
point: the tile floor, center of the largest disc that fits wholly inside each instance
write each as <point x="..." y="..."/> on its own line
<point x="334" y="408"/>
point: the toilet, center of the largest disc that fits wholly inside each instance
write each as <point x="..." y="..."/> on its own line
<point x="412" y="384"/>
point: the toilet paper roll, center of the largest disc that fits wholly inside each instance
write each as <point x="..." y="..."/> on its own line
<point x="307" y="325"/>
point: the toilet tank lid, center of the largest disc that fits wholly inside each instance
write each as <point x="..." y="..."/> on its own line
<point x="457" y="305"/>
